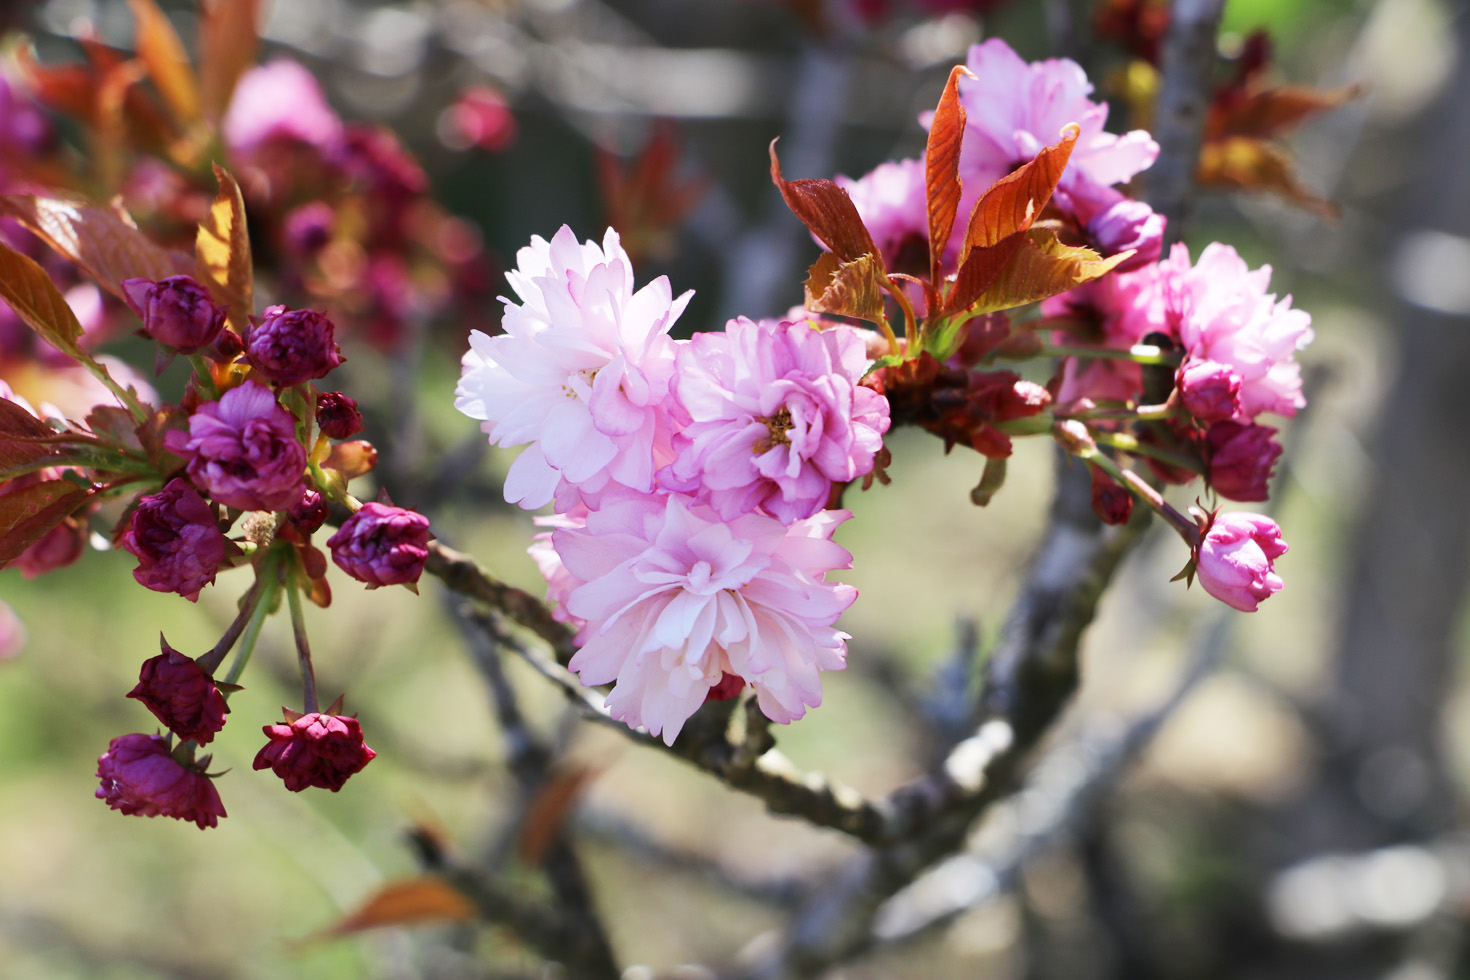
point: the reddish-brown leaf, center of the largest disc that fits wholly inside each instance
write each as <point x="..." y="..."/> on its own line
<point x="27" y="514"/>
<point x="152" y="433"/>
<point x="21" y="439"/>
<point x="846" y="288"/>
<point x="548" y="812"/>
<point x="102" y="240"/>
<point x="979" y="271"/>
<point x="1042" y="266"/>
<point x="37" y="301"/>
<point x="1244" y="163"/>
<point x="159" y="47"/>
<point x="229" y="36"/>
<point x="409" y="901"/>
<point x="222" y="248"/>
<point x="942" y="167"/>
<point x="1267" y="112"/>
<point x="1013" y="203"/>
<point x="826" y="209"/>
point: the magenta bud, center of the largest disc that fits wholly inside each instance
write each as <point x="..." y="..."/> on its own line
<point x="177" y="312"/>
<point x="1112" y="503"/>
<point x="176" y="540"/>
<point x="1241" y="459"/>
<point x="730" y="686"/>
<point x="291" y="346"/>
<point x="1128" y="224"/>
<point x="337" y="415"/>
<point x="382" y="545"/>
<point x="315" y="750"/>
<point x="310" y="512"/>
<point x="1210" y="390"/>
<point x="242" y="450"/>
<point x="309" y="228"/>
<point x="181" y="695"/>
<point x="140" y="777"/>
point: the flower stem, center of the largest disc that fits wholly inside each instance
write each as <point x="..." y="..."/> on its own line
<point x="910" y="325"/>
<point x="268" y="581"/>
<point x="1138" y="353"/>
<point x="1183" y="525"/>
<point x="303" y="649"/>
<point x="210" y="661"/>
<point x="202" y="371"/>
<point x="1131" y="444"/>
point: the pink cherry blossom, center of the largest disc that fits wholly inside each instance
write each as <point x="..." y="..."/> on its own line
<point x="776" y="416"/>
<point x="891" y="199"/>
<point x="580" y="373"/>
<point x="1116" y="311"/>
<point x="1013" y="109"/>
<point x="672" y="598"/>
<point x="280" y="100"/>
<point x="1221" y="312"/>
<point x="1236" y="561"/>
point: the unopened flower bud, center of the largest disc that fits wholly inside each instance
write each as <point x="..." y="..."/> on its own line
<point x="181" y="695"/>
<point x="1241" y="459"/>
<point x="140" y="777"/>
<point x="1210" y="390"/>
<point x="315" y="750"/>
<point x="1236" y="560"/>
<point x="1112" y="503"/>
<point x="309" y="228"/>
<point x="177" y="312"/>
<point x="310" y="512"/>
<point x="382" y="545"/>
<point x="729" y="686"/>
<point x="177" y="542"/>
<point x="291" y="346"/>
<point x="1073" y="436"/>
<point x="337" y="415"/>
<point x="1129" y="224"/>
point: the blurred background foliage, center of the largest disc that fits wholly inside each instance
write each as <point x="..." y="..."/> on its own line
<point x="1295" y="814"/>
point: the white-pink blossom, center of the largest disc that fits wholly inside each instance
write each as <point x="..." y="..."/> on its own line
<point x="1015" y="108"/>
<point x="1221" y="311"/>
<point x="775" y="416"/>
<point x="279" y="100"/>
<point x="580" y="373"/>
<point x="671" y="598"/>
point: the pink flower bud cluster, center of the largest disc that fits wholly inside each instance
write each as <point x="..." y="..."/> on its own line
<point x="691" y="479"/>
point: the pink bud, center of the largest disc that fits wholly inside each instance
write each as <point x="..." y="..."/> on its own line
<point x="177" y="542"/>
<point x="1128" y="224"/>
<point x="337" y="415"/>
<point x="1241" y="459"/>
<point x="1112" y="503"/>
<point x="1236" y="560"/>
<point x="1210" y="390"/>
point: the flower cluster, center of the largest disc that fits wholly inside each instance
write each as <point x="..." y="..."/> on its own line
<point x="691" y="479"/>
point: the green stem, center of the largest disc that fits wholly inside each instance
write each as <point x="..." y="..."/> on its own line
<point x="1143" y="413"/>
<point x="124" y="395"/>
<point x="207" y="387"/>
<point x="1131" y="444"/>
<point x="303" y="649"/>
<point x="210" y="661"/>
<point x="1138" y="353"/>
<point x="1034" y="425"/>
<point x="269" y="583"/>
